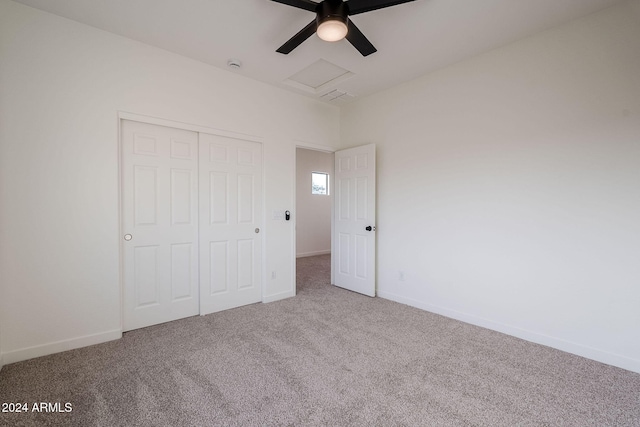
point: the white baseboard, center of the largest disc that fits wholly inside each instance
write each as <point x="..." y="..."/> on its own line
<point x="59" y="346"/>
<point x="306" y="254"/>
<point x="557" y="343"/>
<point x="278" y="297"/>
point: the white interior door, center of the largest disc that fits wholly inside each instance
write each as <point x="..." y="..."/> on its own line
<point x="159" y="223"/>
<point x="355" y="219"/>
<point x="230" y="223"/>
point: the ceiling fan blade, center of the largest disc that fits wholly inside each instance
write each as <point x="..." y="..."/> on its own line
<point x="361" y="6"/>
<point x="300" y="4"/>
<point x="296" y="40"/>
<point x="359" y="41"/>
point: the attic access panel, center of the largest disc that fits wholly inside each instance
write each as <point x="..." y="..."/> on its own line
<point x="318" y="77"/>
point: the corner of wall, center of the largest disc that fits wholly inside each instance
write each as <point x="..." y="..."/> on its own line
<point x="1" y="353"/>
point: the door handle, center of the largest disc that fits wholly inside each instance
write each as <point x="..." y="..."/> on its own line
<point x="128" y="237"/>
<point x="369" y="228"/>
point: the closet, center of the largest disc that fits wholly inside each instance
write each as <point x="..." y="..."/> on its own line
<point x="191" y="215"/>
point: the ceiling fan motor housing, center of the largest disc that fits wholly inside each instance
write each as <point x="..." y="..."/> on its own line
<point x="332" y="10"/>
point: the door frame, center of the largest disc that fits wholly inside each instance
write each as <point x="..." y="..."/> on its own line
<point x="124" y="115"/>
<point x="324" y="149"/>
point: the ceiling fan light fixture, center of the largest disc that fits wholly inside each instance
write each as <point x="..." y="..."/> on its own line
<point x="332" y="29"/>
<point x="332" y="17"/>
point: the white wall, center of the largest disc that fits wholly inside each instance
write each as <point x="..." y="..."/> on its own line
<point x="1" y="353"/>
<point x="509" y="187"/>
<point x="313" y="211"/>
<point x="62" y="86"/>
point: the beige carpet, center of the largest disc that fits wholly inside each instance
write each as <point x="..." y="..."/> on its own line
<point x="326" y="357"/>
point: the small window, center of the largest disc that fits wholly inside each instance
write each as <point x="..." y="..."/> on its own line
<point x="319" y="183"/>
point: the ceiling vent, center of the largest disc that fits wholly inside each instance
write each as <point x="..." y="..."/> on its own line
<point x="337" y="95"/>
<point x="319" y="77"/>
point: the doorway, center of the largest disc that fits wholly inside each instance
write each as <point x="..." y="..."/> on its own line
<point x="313" y="202"/>
<point x="350" y="191"/>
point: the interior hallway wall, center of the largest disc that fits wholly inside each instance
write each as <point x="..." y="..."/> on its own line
<point x="313" y="211"/>
<point x="509" y="187"/>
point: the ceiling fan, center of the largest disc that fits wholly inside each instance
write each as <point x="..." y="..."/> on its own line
<point x="332" y="22"/>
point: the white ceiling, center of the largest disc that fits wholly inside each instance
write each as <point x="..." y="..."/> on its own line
<point x="412" y="38"/>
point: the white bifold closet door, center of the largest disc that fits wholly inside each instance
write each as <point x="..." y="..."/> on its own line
<point x="159" y="224"/>
<point x="191" y="223"/>
<point x="230" y="223"/>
